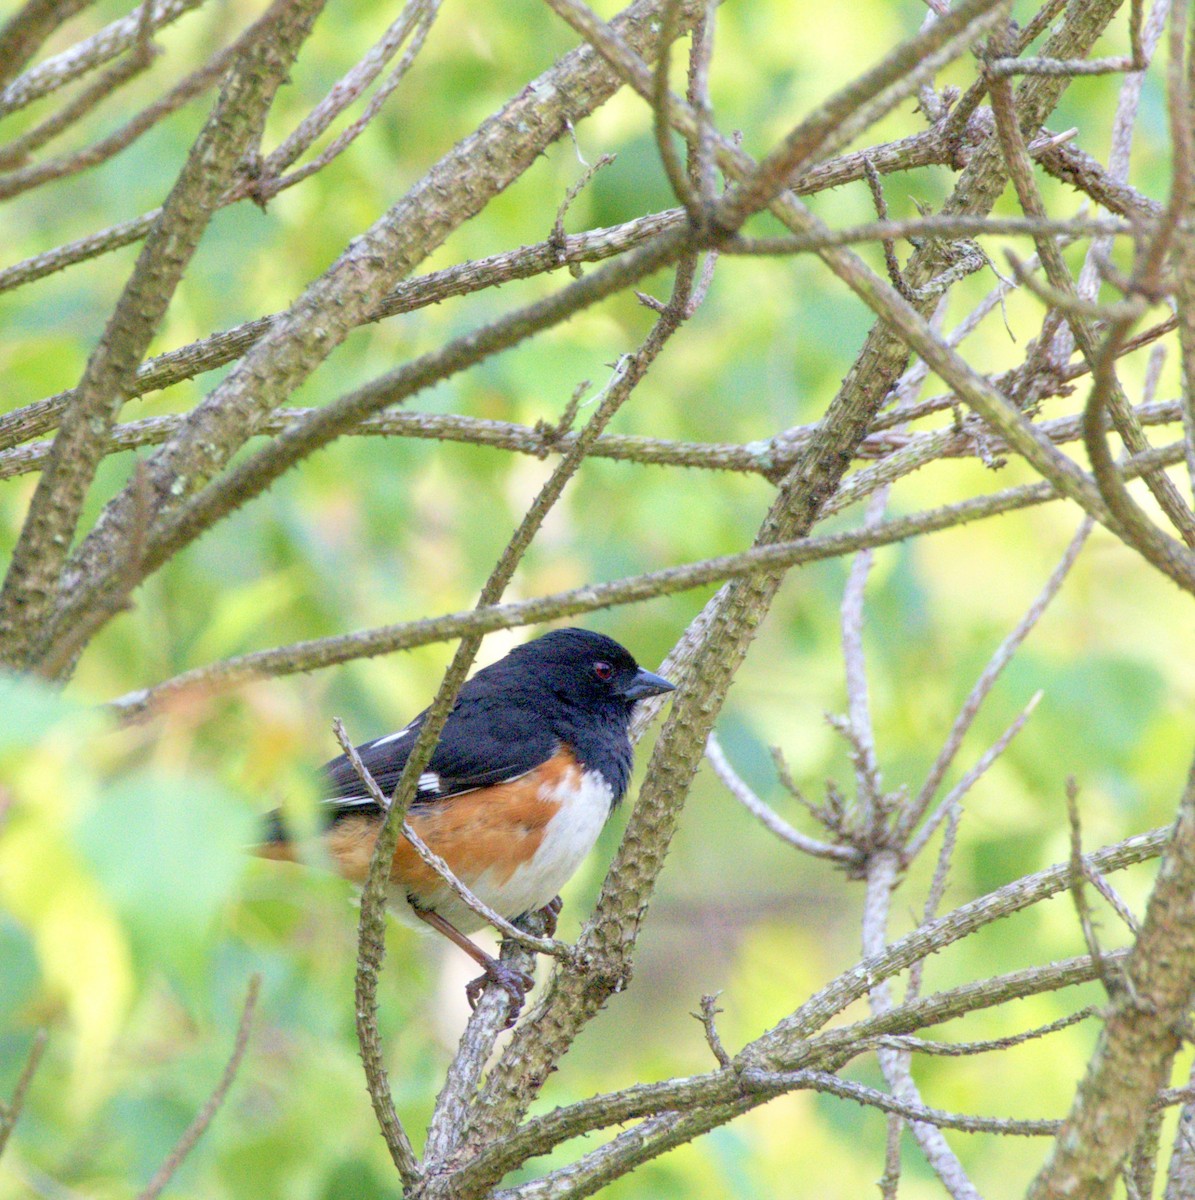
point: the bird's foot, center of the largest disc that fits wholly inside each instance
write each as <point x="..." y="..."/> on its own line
<point x="515" y="983"/>
<point x="549" y="913"/>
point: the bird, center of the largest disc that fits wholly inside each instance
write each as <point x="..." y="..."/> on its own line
<point x="533" y="759"/>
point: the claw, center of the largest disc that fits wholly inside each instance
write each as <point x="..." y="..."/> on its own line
<point x="515" y="983"/>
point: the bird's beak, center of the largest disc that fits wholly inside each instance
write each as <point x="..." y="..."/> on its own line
<point x="646" y="684"/>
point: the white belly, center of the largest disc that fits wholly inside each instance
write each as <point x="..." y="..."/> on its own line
<point x="568" y="838"/>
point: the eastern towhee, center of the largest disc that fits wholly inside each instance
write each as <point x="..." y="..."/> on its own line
<point x="532" y="760"/>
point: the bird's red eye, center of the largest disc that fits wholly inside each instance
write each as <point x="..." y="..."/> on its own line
<point x="603" y="670"/>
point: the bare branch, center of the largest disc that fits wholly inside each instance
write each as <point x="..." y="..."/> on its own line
<point x="28" y="28"/>
<point x="960" y="1049"/>
<point x="15" y="153"/>
<point x="921" y="1114"/>
<point x="670" y="160"/>
<point x="30" y="586"/>
<point x="1141" y="1034"/>
<point x="1111" y="984"/>
<point x="709" y="1011"/>
<point x="954" y="797"/>
<point x="195" y="84"/>
<point x="412" y="23"/>
<point x="765" y="814"/>
<point x="860" y="732"/>
<point x="1081" y="171"/>
<point x="101" y="47"/>
<point x="1004" y="67"/>
<point x="988" y="677"/>
<point x="325" y="652"/>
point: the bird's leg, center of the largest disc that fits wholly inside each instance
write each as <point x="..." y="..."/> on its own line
<point x="546" y="925"/>
<point x="515" y="983"/>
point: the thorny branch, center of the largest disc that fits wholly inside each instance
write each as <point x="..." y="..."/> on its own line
<point x="324" y="652"/>
<point x="53" y="604"/>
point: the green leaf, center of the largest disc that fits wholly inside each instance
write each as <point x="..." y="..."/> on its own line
<point x="31" y="709"/>
<point x="167" y="849"/>
<point x="19" y="979"/>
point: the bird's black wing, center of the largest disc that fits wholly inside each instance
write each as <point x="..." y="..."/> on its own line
<point x="486" y="741"/>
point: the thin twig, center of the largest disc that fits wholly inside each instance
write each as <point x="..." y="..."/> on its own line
<point x="670" y="160"/>
<point x="415" y="16"/>
<point x="203" y="1118"/>
<point x="868" y="786"/>
<point x="765" y="814"/>
<point x="23" y="34"/>
<point x="1115" y="900"/>
<point x="16" y="152"/>
<point x="954" y="797"/>
<point x="1071" y="68"/>
<point x="10" y="1113"/>
<point x="1112" y="985"/>
<point x="920" y="1114"/>
<point x="890" y="260"/>
<point x="194" y="85"/>
<point x="701" y="163"/>
<point x="919" y="1045"/>
<point x="707" y="1017"/>
<point x="937" y="886"/>
<point x="987" y="680"/>
<point x="270" y="183"/>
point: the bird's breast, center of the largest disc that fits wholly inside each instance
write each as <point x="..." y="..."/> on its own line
<point x="514" y="845"/>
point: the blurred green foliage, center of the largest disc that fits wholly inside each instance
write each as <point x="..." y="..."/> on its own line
<point x="131" y="917"/>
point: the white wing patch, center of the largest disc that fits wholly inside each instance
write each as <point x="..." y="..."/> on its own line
<point x="392" y="737"/>
<point x="351" y="802"/>
<point x="429" y="781"/>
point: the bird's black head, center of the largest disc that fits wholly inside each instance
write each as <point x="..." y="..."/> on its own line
<point x="588" y="668"/>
